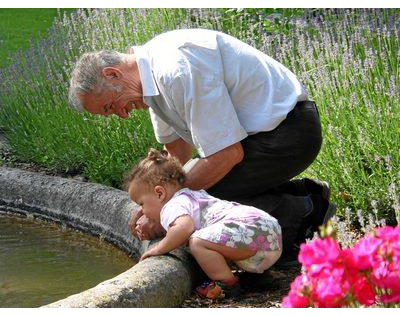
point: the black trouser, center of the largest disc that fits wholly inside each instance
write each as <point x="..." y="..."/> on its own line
<point x="271" y="159"/>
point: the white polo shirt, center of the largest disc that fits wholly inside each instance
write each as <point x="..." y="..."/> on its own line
<point x="211" y="89"/>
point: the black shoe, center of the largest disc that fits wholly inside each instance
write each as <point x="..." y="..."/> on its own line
<point x="288" y="260"/>
<point x="323" y="210"/>
<point x="259" y="281"/>
<point x="330" y="212"/>
<point x="306" y="186"/>
<point x="316" y="187"/>
<point x="322" y="216"/>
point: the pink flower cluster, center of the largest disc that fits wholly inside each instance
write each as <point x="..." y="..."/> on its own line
<point x="365" y="274"/>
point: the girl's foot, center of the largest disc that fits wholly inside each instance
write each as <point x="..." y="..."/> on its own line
<point x="219" y="289"/>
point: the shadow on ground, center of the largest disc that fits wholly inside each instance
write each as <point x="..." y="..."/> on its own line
<point x="277" y="286"/>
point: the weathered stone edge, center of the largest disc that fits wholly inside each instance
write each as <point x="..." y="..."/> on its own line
<point x="163" y="281"/>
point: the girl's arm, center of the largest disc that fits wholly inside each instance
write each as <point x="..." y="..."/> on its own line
<point x="178" y="234"/>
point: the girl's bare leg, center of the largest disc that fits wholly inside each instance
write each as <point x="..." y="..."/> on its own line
<point x="212" y="257"/>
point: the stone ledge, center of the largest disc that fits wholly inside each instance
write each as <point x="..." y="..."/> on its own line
<point x="163" y="281"/>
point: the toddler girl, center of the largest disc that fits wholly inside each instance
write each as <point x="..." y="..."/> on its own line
<point x="215" y="230"/>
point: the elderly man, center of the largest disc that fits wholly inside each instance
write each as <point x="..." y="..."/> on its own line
<point x="248" y="117"/>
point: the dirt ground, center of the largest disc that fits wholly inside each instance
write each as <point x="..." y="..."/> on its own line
<point x="277" y="286"/>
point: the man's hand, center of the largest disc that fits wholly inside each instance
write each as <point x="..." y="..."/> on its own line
<point x="143" y="228"/>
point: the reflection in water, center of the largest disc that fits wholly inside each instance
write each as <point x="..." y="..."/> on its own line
<point x="42" y="262"/>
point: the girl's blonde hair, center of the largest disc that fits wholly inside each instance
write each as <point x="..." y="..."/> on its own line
<point x="156" y="169"/>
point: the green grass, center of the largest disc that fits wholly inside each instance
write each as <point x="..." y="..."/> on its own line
<point x="18" y="26"/>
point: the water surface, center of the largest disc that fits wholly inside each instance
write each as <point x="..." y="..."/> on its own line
<point x="42" y="262"/>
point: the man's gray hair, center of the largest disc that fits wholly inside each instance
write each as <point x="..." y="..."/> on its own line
<point x="87" y="74"/>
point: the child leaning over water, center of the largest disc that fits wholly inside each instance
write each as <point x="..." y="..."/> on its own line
<point x="215" y="230"/>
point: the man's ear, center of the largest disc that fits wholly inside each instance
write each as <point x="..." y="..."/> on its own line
<point x="160" y="191"/>
<point x="111" y="73"/>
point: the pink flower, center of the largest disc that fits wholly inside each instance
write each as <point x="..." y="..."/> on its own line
<point x="333" y="277"/>
<point x="391" y="240"/>
<point x="297" y="296"/>
<point x="319" y="252"/>
<point x="364" y="252"/>
<point x="294" y="300"/>
<point x="387" y="276"/>
<point x="349" y="261"/>
<point x="390" y="298"/>
<point x="330" y="288"/>
<point x="363" y="291"/>
<point x="389" y="233"/>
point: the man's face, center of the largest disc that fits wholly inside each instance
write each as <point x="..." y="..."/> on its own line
<point x="105" y="99"/>
<point x="106" y="102"/>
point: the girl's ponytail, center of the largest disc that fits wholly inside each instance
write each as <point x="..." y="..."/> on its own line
<point x="157" y="168"/>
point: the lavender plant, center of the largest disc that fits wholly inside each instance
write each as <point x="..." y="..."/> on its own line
<point x="350" y="66"/>
<point x="347" y="59"/>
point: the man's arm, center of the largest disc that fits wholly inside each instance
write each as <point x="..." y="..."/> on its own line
<point x="180" y="149"/>
<point x="208" y="171"/>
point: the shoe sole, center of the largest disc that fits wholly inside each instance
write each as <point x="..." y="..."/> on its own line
<point x="326" y="190"/>
<point x="330" y="212"/>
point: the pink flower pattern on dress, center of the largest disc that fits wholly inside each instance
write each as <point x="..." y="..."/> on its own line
<point x="259" y="243"/>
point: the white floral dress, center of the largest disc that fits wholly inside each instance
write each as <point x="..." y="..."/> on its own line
<point x="224" y="222"/>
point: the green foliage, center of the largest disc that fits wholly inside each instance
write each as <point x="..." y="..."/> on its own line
<point x="18" y="26"/>
<point x="268" y="20"/>
<point x="258" y="22"/>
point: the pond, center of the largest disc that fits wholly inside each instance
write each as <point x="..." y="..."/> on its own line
<point x="42" y="262"/>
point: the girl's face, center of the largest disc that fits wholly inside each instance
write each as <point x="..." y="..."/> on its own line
<point x="150" y="200"/>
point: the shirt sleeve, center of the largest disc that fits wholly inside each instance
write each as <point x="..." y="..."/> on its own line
<point x="176" y="207"/>
<point x="163" y="132"/>
<point x="209" y="112"/>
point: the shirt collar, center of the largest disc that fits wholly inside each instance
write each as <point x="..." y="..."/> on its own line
<point x="146" y="75"/>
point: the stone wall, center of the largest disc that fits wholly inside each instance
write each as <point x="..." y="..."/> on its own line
<point x="163" y="281"/>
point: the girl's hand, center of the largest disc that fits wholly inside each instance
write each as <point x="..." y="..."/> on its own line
<point x="143" y="228"/>
<point x="133" y="223"/>
<point x="149" y="253"/>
